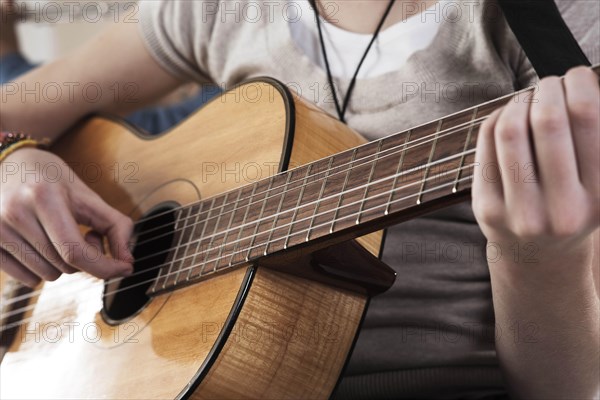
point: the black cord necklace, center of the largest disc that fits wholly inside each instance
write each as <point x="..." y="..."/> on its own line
<point x="341" y="110"/>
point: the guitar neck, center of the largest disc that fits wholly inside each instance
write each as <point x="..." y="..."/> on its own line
<point x="332" y="200"/>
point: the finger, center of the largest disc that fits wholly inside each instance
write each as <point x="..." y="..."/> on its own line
<point x="34" y="234"/>
<point x="28" y="256"/>
<point x="515" y="156"/>
<point x="583" y="104"/>
<point x="553" y="145"/>
<point x="63" y="230"/>
<point x="92" y="211"/>
<point x="14" y="268"/>
<point x="488" y="199"/>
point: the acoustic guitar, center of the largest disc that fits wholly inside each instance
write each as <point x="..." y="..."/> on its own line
<point x="257" y="234"/>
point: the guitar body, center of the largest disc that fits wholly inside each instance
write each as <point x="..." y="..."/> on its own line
<point x="250" y="332"/>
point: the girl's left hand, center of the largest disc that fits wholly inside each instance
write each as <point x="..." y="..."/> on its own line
<point x="553" y="206"/>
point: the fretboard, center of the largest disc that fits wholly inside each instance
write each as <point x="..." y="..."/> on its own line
<point x="346" y="195"/>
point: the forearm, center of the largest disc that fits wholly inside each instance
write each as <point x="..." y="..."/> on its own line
<point x="42" y="102"/>
<point x="548" y="329"/>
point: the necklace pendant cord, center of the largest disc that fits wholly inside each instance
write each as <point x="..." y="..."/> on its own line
<point x="341" y="109"/>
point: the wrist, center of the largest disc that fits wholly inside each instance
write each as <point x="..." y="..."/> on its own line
<point x="541" y="263"/>
<point x="11" y="142"/>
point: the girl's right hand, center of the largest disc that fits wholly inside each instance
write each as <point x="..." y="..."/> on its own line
<point x="39" y="233"/>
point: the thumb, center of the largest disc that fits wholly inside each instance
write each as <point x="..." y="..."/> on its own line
<point x="109" y="222"/>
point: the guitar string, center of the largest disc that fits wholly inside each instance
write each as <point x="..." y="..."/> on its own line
<point x="241" y="239"/>
<point x="462" y="125"/>
<point x="258" y="221"/>
<point x="314" y="202"/>
<point x="498" y="102"/>
<point x="402" y="147"/>
<point x="24" y="321"/>
<point x="311" y="178"/>
<point x="413" y="143"/>
<point x="21" y="322"/>
<point x="460" y="169"/>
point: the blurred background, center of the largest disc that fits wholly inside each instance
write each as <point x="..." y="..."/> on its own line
<point x="50" y="28"/>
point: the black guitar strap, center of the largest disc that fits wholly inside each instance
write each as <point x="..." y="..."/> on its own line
<point x="543" y="35"/>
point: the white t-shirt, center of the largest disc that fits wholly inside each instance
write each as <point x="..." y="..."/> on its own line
<point x="393" y="46"/>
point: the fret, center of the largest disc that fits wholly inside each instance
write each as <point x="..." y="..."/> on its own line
<point x="398" y="171"/>
<point x="428" y="166"/>
<point x="462" y="158"/>
<point x="364" y="197"/>
<point x="190" y="239"/>
<point x="312" y="219"/>
<point x="160" y="272"/>
<point x="285" y="187"/>
<point x="172" y="270"/>
<point x="341" y="194"/>
<point x="176" y="259"/>
<point x="304" y="183"/>
<point x="239" y="236"/>
<point x="198" y="245"/>
<point x="262" y="210"/>
<point x="224" y="243"/>
<point x="213" y="235"/>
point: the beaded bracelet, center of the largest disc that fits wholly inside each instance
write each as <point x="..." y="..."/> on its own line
<point x="10" y="142"/>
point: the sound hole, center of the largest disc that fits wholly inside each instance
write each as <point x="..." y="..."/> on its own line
<point x="154" y="237"/>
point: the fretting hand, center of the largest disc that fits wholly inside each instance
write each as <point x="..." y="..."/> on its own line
<point x="556" y="209"/>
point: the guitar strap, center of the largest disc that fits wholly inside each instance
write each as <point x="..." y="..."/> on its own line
<point x="543" y="35"/>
